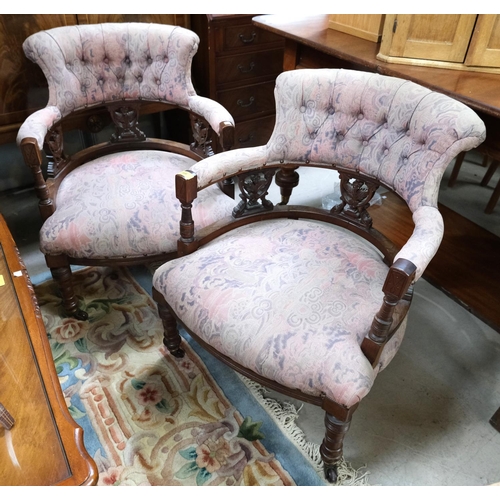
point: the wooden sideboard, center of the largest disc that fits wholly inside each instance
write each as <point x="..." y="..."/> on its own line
<point x="44" y="446"/>
<point x="237" y="65"/>
<point x="23" y="88"/>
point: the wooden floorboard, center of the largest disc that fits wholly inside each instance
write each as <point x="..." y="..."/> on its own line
<point x="467" y="264"/>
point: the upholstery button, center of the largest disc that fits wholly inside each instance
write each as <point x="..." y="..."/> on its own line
<point x="149" y="60"/>
<point x="127" y="60"/>
<point x="361" y="116"/>
<point x="340" y="137"/>
<point x="105" y="60"/>
<point x="408" y="132"/>
<point x="405" y="160"/>
<point x="302" y="109"/>
<point x="331" y="111"/>
<point x="100" y="81"/>
<point x="365" y="143"/>
<point x="120" y="80"/>
<point x="158" y="81"/>
<point x="68" y="65"/>
<point x="82" y="88"/>
<point x="386" y="152"/>
<point x="139" y="78"/>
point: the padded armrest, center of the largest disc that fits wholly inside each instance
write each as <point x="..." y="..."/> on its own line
<point x="227" y="164"/>
<point x="425" y="239"/>
<point x="211" y="110"/>
<point x="37" y="125"/>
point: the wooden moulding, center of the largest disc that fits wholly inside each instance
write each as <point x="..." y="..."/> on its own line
<point x="366" y="26"/>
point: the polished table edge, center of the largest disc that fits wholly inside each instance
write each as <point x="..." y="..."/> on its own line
<point x="82" y="466"/>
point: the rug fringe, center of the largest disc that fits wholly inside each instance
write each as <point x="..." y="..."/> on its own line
<point x="285" y="414"/>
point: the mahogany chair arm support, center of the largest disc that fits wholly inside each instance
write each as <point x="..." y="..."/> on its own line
<point x="186" y="189"/>
<point x="33" y="159"/>
<point x="226" y="135"/>
<point x="399" y="279"/>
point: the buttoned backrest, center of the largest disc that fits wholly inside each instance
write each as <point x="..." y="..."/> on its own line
<point x="87" y="65"/>
<point x="393" y="130"/>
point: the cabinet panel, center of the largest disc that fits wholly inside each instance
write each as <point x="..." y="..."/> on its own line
<point x="248" y="100"/>
<point x="247" y="35"/>
<point x="485" y="44"/>
<point x="442" y="37"/>
<point x="253" y="132"/>
<point x="247" y="66"/>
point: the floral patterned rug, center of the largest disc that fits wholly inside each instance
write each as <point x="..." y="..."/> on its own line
<point x="150" y="418"/>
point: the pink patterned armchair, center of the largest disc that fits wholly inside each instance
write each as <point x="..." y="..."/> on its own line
<point x="114" y="203"/>
<point x="313" y="303"/>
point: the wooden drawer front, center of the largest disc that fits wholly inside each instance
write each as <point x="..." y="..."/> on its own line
<point x="247" y="35"/>
<point x="246" y="66"/>
<point x="249" y="100"/>
<point x="253" y="132"/>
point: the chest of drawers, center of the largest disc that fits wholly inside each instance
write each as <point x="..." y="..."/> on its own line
<point x="237" y="65"/>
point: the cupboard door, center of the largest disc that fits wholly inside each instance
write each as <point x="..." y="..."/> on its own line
<point x="485" y="44"/>
<point x="438" y="37"/>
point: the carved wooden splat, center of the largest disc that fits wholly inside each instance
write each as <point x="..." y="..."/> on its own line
<point x="126" y="120"/>
<point x="201" y="134"/>
<point x="355" y="199"/>
<point x="253" y="194"/>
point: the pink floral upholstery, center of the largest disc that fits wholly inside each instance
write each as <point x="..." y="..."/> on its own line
<point x="87" y="65"/>
<point x="292" y="300"/>
<point x="134" y="213"/>
<point x="274" y="295"/>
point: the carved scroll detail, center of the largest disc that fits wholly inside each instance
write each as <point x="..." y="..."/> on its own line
<point x="126" y="120"/>
<point x="55" y="155"/>
<point x="355" y="199"/>
<point x="253" y="188"/>
<point x="201" y="134"/>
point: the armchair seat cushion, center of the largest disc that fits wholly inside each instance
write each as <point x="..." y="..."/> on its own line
<point x="124" y="204"/>
<point x="291" y="300"/>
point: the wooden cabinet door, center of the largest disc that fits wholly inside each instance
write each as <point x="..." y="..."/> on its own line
<point x="485" y="44"/>
<point x="438" y="37"/>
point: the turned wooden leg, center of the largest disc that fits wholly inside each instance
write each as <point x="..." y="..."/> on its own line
<point x="332" y="447"/>
<point x="493" y="200"/>
<point x="62" y="276"/>
<point x="171" y="337"/>
<point x="456" y="169"/>
<point x="286" y="179"/>
<point x="490" y="172"/>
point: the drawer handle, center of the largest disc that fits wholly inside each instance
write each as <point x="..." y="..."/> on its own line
<point x="242" y="104"/>
<point x="246" y="70"/>
<point x="246" y="139"/>
<point x="247" y="40"/>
